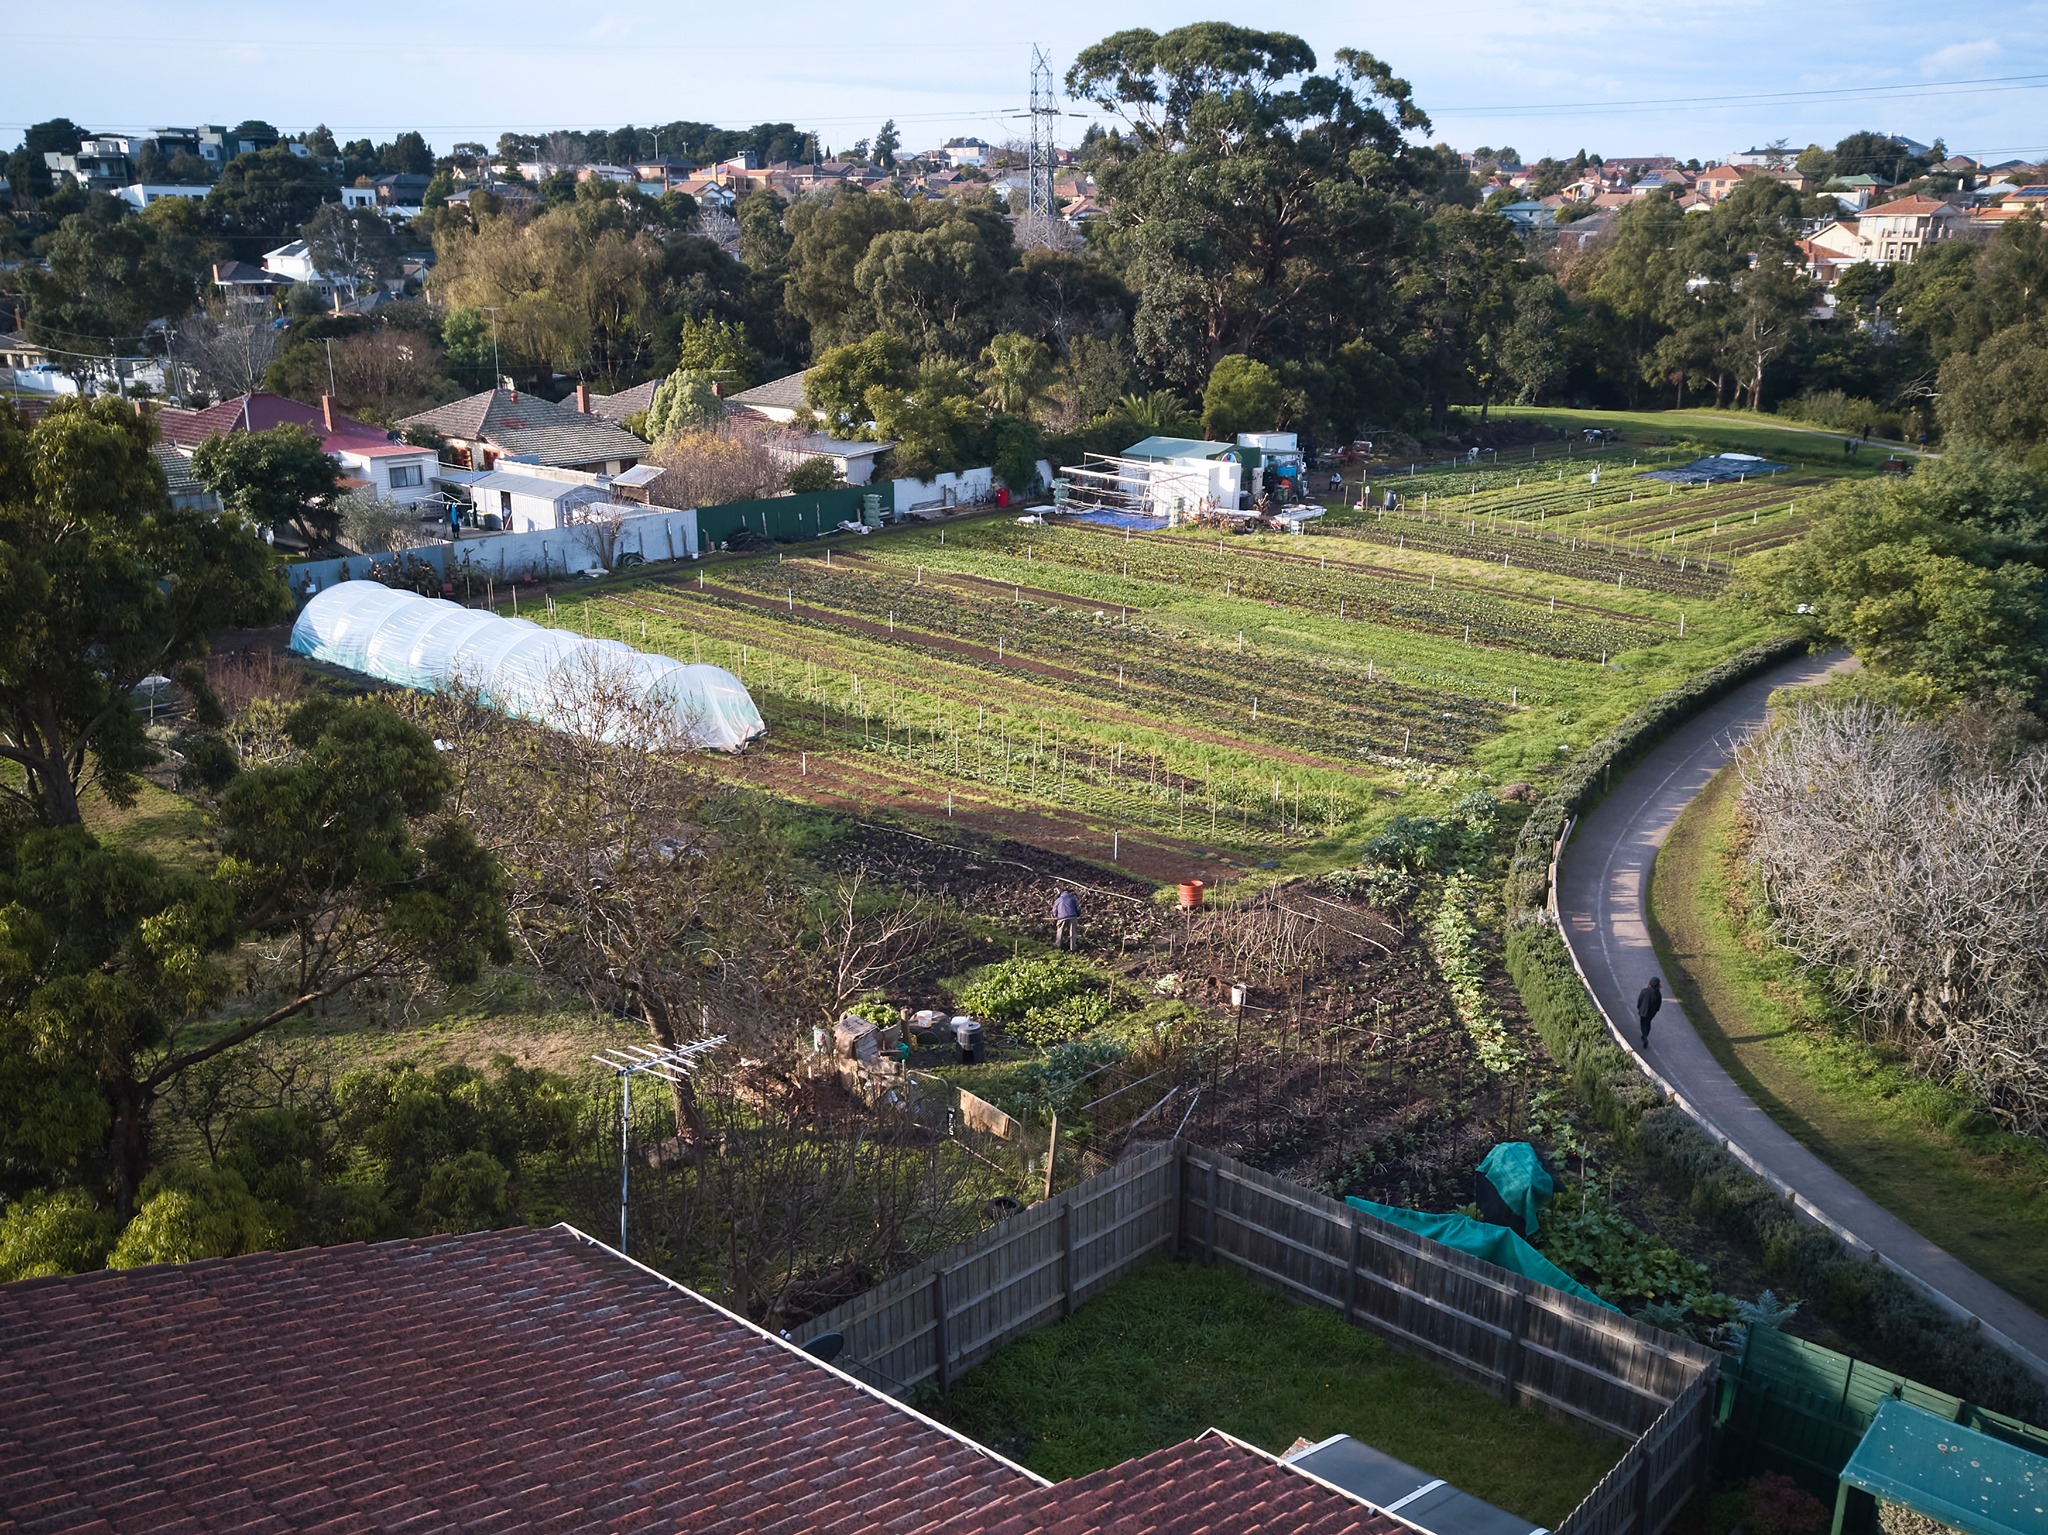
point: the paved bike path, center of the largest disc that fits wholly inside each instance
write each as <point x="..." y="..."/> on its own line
<point x="1603" y="887"/>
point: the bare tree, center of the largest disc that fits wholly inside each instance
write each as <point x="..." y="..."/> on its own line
<point x="654" y="887"/>
<point x="737" y="461"/>
<point x="1910" y="860"/>
<point x="599" y="527"/>
<point x="228" y="350"/>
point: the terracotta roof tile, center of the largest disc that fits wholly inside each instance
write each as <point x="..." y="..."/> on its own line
<point x="1208" y="1486"/>
<point x="524" y="1380"/>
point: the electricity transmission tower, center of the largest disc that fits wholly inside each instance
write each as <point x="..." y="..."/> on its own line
<point x="1045" y="125"/>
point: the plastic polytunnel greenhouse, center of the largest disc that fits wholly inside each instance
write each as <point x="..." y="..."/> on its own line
<point x="584" y="686"/>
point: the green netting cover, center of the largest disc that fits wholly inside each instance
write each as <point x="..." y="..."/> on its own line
<point x="1518" y="1176"/>
<point x="1491" y="1244"/>
<point x="1950" y="1473"/>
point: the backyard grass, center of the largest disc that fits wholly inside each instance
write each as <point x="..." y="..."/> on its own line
<point x="1918" y="1149"/>
<point x="1173" y="1349"/>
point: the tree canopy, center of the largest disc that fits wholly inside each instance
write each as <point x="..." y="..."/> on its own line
<point x="103" y="584"/>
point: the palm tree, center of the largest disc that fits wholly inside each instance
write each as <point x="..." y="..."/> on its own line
<point x="1018" y="370"/>
<point x="1161" y="413"/>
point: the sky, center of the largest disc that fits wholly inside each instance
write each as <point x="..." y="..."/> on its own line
<point x="1614" y="77"/>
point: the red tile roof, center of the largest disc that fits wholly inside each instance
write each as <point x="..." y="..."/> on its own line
<point x="189" y="428"/>
<point x="1906" y="207"/>
<point x="1208" y="1486"/>
<point x="517" y="1381"/>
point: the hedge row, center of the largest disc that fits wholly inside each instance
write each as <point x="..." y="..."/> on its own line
<point x="1867" y="1302"/>
<point x="1583" y="780"/>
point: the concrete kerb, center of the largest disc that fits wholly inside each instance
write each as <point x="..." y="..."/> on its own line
<point x="1799" y="1204"/>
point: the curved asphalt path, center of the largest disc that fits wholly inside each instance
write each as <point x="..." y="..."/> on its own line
<point x="1603" y="883"/>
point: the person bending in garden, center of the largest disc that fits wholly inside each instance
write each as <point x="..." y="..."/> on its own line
<point x="1066" y="918"/>
<point x="1648" y="1000"/>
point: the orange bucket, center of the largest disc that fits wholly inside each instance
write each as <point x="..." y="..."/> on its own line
<point x="1190" y="894"/>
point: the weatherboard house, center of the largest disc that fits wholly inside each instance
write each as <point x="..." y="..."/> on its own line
<point x="530" y="1380"/>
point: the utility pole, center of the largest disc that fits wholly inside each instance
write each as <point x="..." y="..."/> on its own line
<point x="497" y="371"/>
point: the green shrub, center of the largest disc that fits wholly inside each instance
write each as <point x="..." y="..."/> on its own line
<point x="1846" y="413"/>
<point x="814" y="474"/>
<point x="1375" y="884"/>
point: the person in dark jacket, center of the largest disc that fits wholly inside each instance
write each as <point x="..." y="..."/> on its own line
<point x="1648" y="1000"/>
<point x="1066" y="917"/>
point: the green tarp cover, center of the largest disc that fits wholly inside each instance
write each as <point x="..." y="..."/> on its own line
<point x="1491" y="1244"/>
<point x="1950" y="1473"/>
<point x="1517" y="1175"/>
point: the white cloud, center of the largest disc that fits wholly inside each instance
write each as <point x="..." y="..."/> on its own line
<point x="1959" y="59"/>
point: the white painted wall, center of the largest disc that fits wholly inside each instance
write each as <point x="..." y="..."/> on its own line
<point x="963" y="484"/>
<point x="656" y="535"/>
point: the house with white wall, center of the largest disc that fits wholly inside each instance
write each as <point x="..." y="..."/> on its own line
<point x="371" y="458"/>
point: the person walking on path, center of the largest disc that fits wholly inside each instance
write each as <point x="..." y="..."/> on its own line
<point x="1648" y="1000"/>
<point x="1066" y="917"/>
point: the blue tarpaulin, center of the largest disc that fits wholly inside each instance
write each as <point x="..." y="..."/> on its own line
<point x="1490" y="1244"/>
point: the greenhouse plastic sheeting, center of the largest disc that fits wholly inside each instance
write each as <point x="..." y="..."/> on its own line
<point x="515" y="665"/>
<point x="1520" y="1178"/>
<point x="1954" y="1475"/>
<point x="1490" y="1244"/>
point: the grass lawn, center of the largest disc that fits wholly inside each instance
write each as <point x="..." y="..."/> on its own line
<point x="1919" y="1150"/>
<point x="160" y="823"/>
<point x="1737" y="430"/>
<point x="1174" y="1349"/>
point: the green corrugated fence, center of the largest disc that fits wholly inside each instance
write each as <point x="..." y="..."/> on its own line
<point x="780" y="517"/>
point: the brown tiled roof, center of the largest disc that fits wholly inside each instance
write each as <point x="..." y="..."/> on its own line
<point x="514" y="1381"/>
<point x="786" y="393"/>
<point x="525" y="423"/>
<point x="616" y="407"/>
<point x="1207" y="1486"/>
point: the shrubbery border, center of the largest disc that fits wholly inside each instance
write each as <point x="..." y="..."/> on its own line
<point x="1866" y="1301"/>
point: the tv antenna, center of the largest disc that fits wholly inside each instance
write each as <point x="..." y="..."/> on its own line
<point x="676" y="1063"/>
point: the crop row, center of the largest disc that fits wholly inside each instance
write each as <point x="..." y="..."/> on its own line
<point x="1487" y="618"/>
<point x="1043" y="757"/>
<point x="1561" y="553"/>
<point x="1288" y="552"/>
<point x="1343" y="712"/>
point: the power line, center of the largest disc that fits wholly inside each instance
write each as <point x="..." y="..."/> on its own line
<point x="1783" y="98"/>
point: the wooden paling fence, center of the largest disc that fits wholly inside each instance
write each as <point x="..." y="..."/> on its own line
<point x="1523" y="1342"/>
<point x="954" y="1310"/>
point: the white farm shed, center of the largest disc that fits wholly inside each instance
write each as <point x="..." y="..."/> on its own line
<point x="569" y="682"/>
